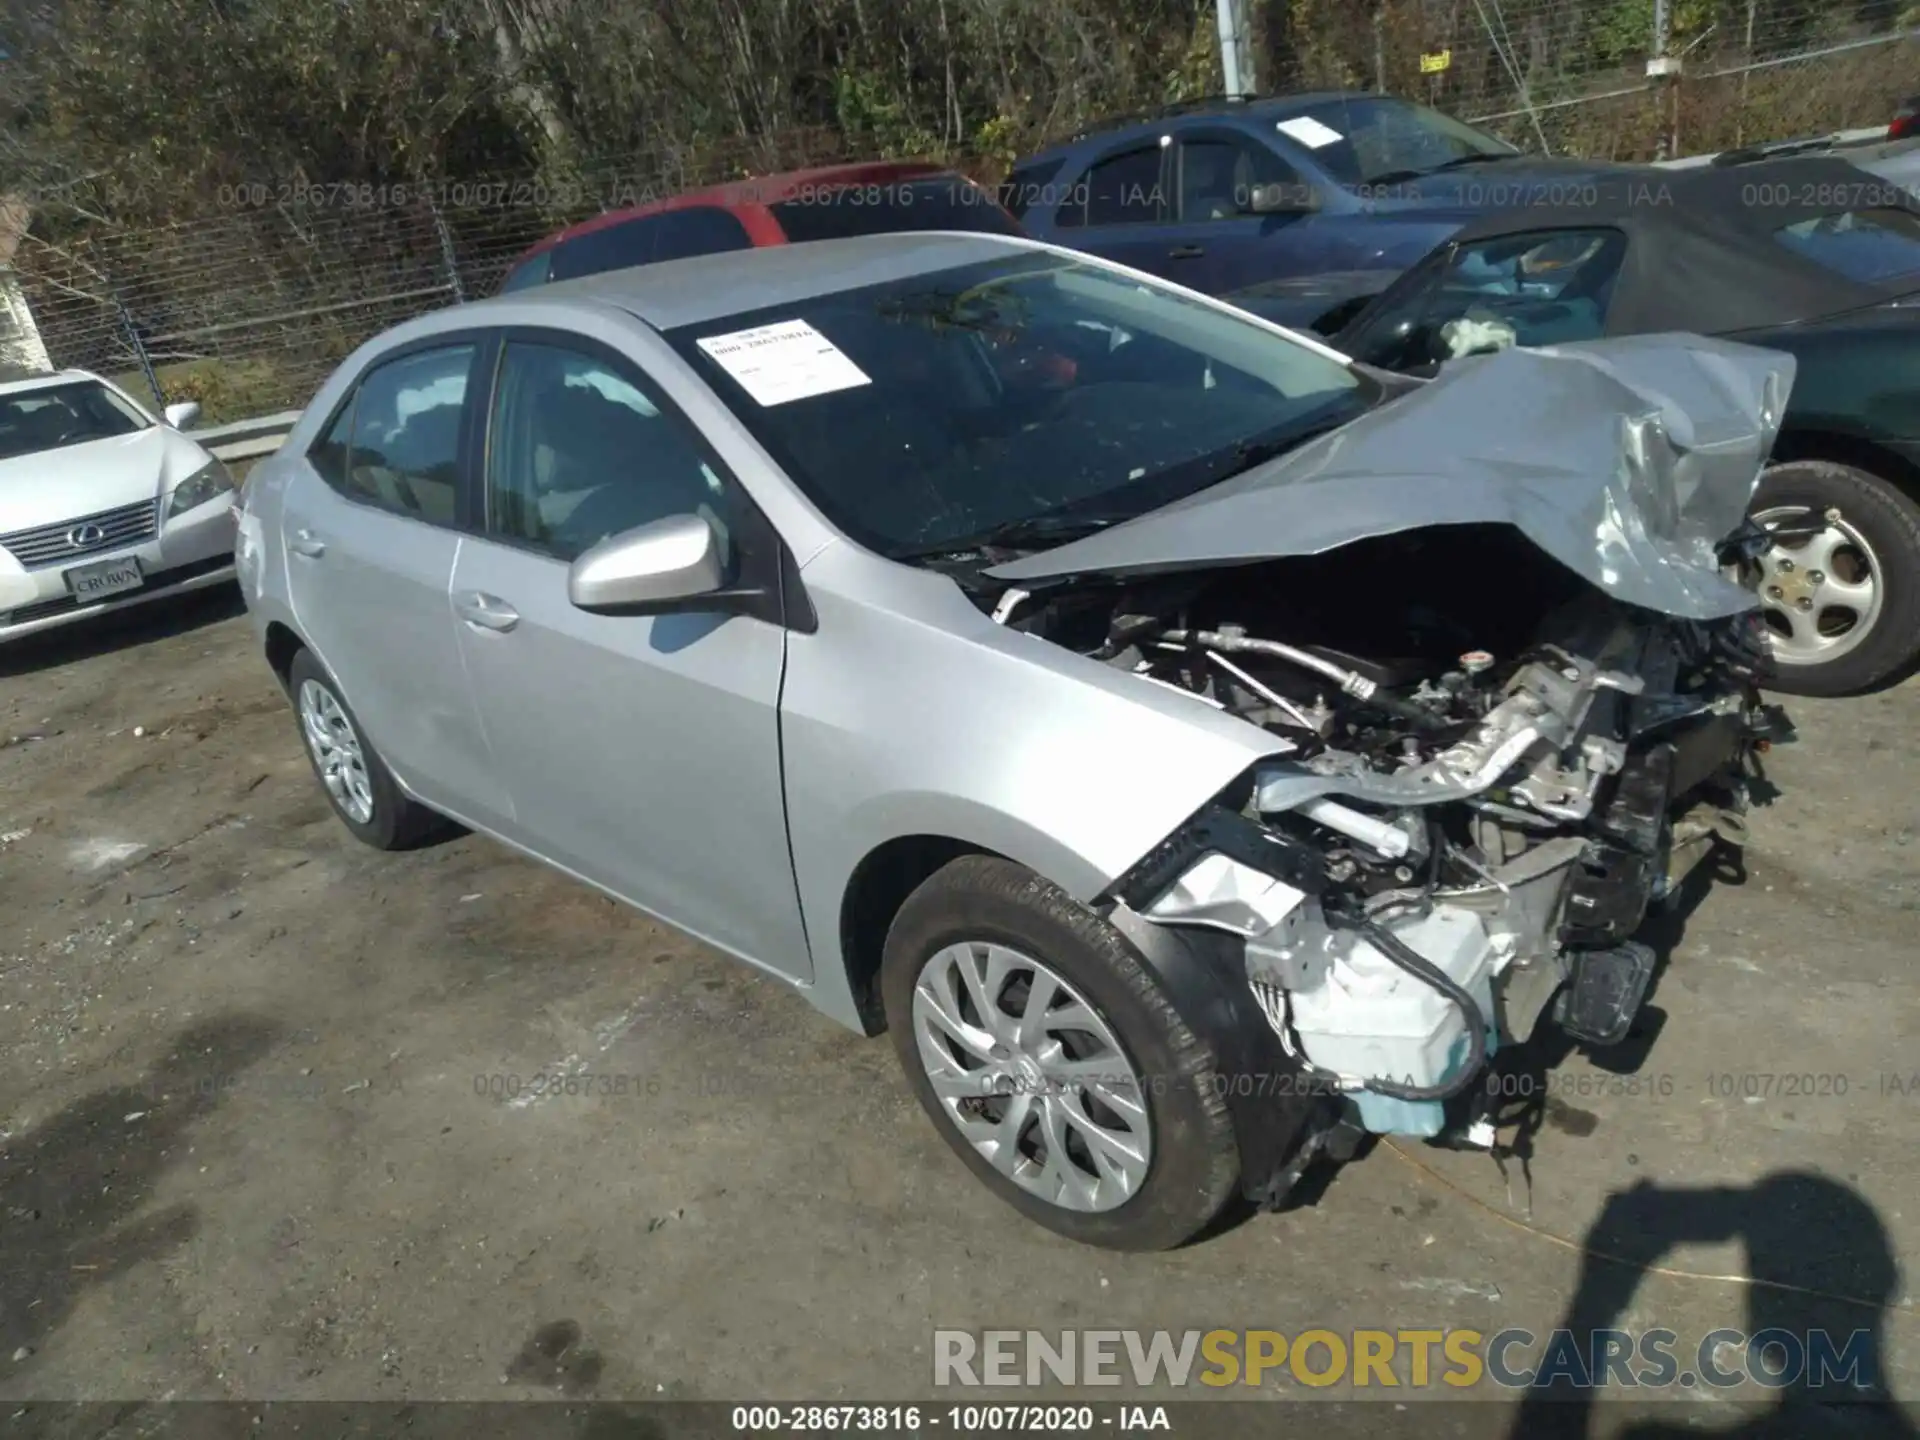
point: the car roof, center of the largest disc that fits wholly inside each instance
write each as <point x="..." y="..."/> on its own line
<point x="755" y="191"/>
<point x="1263" y="107"/>
<point x="672" y="293"/>
<point x="14" y="379"/>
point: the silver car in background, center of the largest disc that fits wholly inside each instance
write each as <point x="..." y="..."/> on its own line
<point x="102" y="506"/>
<point x="1196" y="750"/>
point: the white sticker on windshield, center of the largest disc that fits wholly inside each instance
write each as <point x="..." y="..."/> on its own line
<point x="1309" y="131"/>
<point x="787" y="361"/>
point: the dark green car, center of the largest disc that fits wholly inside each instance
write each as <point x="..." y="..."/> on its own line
<point x="1808" y="255"/>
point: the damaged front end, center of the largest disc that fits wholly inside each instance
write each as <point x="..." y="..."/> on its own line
<point x="1441" y="862"/>
<point x="1494" y="752"/>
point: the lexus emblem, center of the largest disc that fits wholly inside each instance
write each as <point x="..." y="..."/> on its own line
<point x="85" y="537"/>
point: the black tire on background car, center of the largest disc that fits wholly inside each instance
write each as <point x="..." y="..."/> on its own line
<point x="352" y="775"/>
<point x="1119" y="1134"/>
<point x="1843" y="607"/>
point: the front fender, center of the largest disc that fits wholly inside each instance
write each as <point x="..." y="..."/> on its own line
<point x="909" y="714"/>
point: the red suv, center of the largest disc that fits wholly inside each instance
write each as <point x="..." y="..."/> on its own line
<point x="821" y="204"/>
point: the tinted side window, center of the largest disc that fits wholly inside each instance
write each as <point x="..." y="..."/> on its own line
<point x="700" y="230"/>
<point x="1121" y="190"/>
<point x="1218" y="176"/>
<point x="529" y="274"/>
<point x="1871" y="246"/>
<point x="1026" y="186"/>
<point x="615" y="248"/>
<point x="579" y="452"/>
<point x="405" y="451"/>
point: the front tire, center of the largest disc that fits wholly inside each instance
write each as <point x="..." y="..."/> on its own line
<point x="1053" y="1062"/>
<point x="1844" y="606"/>
<point x="357" y="783"/>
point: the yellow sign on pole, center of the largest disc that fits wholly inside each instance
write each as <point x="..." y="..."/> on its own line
<point x="1433" y="64"/>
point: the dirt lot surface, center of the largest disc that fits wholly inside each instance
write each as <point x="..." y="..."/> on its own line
<point x="266" y="1127"/>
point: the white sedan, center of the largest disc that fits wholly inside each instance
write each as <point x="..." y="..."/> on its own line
<point x="102" y="506"/>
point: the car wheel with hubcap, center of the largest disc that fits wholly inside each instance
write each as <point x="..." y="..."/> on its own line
<point x="1843" y="602"/>
<point x="1053" y="1062"/>
<point x="358" y="784"/>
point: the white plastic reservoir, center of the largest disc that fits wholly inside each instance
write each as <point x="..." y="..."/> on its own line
<point x="1368" y="1018"/>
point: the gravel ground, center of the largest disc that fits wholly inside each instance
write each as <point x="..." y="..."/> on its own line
<point x="260" y="1135"/>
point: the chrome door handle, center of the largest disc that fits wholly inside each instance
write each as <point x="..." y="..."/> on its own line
<point x="305" y="542"/>
<point x="485" y="612"/>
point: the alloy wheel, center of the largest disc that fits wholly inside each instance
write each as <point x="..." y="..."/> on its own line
<point x="337" y="752"/>
<point x="1820" y="595"/>
<point x="1032" y="1075"/>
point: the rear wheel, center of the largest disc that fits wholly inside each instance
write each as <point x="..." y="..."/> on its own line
<point x="1843" y="604"/>
<point x="358" y="784"/>
<point x="1052" y="1061"/>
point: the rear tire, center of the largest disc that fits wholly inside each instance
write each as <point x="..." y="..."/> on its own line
<point x="1132" y="1150"/>
<point x="351" y="773"/>
<point x="1860" y="622"/>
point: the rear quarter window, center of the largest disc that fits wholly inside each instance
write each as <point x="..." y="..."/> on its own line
<point x="1870" y="246"/>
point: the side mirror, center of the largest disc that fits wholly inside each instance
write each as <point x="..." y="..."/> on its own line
<point x="1281" y="199"/>
<point x="652" y="570"/>
<point x="182" y="415"/>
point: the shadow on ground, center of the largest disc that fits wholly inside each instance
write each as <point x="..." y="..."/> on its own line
<point x="74" y="1189"/>
<point x="1823" y="1273"/>
<point x="120" y="630"/>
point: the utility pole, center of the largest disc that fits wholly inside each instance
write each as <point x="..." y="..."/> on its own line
<point x="1663" y="69"/>
<point x="1236" y="48"/>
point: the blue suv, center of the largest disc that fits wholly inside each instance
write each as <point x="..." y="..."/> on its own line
<point x="1300" y="207"/>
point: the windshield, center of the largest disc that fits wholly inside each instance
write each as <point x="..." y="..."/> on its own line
<point x="926" y="414"/>
<point x="1369" y="139"/>
<point x="57" y="415"/>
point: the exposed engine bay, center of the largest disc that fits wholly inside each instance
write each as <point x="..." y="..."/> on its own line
<point x="1486" y="771"/>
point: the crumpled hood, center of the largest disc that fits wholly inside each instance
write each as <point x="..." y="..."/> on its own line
<point x="1627" y="460"/>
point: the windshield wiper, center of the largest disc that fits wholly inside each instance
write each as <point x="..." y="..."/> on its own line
<point x="1396" y="177"/>
<point x="1030" y="532"/>
<point x="1245" y="457"/>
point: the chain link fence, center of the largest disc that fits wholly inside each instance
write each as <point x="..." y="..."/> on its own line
<point x="247" y="308"/>
<point x="1618" y="79"/>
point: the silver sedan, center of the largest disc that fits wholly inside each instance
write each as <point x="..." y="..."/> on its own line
<point x="1118" y="698"/>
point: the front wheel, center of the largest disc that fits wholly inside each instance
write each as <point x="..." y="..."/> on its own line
<point x="1053" y="1062"/>
<point x="1843" y="604"/>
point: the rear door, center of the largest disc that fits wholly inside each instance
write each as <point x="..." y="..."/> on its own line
<point x="371" y="524"/>
<point x="641" y="753"/>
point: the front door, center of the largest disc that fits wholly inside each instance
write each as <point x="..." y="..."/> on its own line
<point x="1221" y="244"/>
<point x="642" y="753"/>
